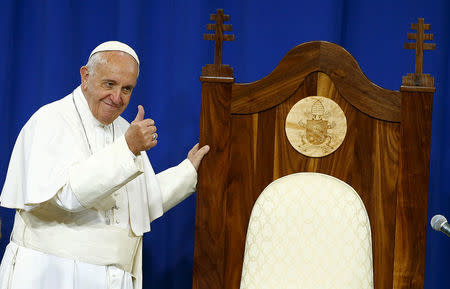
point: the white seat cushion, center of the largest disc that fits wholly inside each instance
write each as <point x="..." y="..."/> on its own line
<point x="308" y="230"/>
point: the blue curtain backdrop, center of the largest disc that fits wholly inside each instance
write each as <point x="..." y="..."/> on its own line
<point x="44" y="43"/>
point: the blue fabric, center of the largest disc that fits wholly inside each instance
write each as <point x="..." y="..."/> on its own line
<point x="44" y="43"/>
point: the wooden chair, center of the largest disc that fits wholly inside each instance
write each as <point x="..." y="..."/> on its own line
<point x="384" y="155"/>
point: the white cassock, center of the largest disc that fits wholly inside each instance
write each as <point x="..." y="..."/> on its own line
<point x="82" y="201"/>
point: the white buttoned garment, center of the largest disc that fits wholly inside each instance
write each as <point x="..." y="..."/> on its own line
<point x="97" y="183"/>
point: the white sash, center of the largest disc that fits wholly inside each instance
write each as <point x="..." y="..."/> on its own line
<point x="100" y="245"/>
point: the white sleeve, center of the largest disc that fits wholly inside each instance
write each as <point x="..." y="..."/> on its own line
<point x="67" y="200"/>
<point x="103" y="173"/>
<point x="99" y="176"/>
<point x="177" y="183"/>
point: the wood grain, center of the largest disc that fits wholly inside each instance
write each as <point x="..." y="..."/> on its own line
<point x="306" y="58"/>
<point x="209" y="254"/>
<point x="412" y="198"/>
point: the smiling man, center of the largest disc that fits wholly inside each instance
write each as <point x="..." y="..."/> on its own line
<point x="83" y="187"/>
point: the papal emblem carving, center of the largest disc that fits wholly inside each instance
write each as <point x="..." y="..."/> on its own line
<point x="316" y="126"/>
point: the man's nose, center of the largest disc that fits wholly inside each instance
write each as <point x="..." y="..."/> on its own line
<point x="116" y="99"/>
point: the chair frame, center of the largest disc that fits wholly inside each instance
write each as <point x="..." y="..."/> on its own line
<point x="384" y="157"/>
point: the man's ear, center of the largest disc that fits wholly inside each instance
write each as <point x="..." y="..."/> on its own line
<point x="84" y="73"/>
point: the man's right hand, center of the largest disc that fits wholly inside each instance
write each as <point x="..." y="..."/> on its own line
<point x="139" y="135"/>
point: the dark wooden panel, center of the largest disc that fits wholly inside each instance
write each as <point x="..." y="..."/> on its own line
<point x="413" y="190"/>
<point x="240" y="197"/>
<point x="209" y="254"/>
<point x="309" y="57"/>
<point x="265" y="150"/>
<point x="253" y="141"/>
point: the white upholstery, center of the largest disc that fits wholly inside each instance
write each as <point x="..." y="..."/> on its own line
<point x="308" y="231"/>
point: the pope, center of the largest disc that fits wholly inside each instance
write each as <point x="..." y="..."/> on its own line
<point x="83" y="187"/>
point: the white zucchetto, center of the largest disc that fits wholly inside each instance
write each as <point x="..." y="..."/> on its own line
<point x="115" y="46"/>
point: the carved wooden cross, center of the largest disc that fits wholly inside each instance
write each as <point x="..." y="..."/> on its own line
<point x="419" y="45"/>
<point x="418" y="78"/>
<point x="218" y="71"/>
<point x="219" y="37"/>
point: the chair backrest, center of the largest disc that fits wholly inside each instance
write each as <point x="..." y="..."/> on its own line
<point x="384" y="155"/>
<point x="308" y="230"/>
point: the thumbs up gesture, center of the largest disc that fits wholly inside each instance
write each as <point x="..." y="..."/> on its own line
<point x="141" y="135"/>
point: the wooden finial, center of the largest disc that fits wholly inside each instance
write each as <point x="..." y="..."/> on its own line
<point x="418" y="78"/>
<point x="218" y="69"/>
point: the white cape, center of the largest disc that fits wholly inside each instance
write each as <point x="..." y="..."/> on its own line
<point x="52" y="142"/>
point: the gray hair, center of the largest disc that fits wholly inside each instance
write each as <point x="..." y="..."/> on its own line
<point x="93" y="61"/>
<point x="98" y="58"/>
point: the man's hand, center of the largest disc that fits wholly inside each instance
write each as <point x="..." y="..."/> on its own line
<point x="196" y="155"/>
<point x="141" y="135"/>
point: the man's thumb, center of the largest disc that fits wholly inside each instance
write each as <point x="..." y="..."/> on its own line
<point x="140" y="114"/>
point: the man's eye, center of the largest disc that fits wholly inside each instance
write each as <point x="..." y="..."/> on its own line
<point x="109" y="84"/>
<point x="126" y="90"/>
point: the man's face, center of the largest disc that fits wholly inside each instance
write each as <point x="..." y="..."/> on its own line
<point x="109" y="86"/>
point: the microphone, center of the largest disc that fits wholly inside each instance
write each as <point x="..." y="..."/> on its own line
<point x="439" y="223"/>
